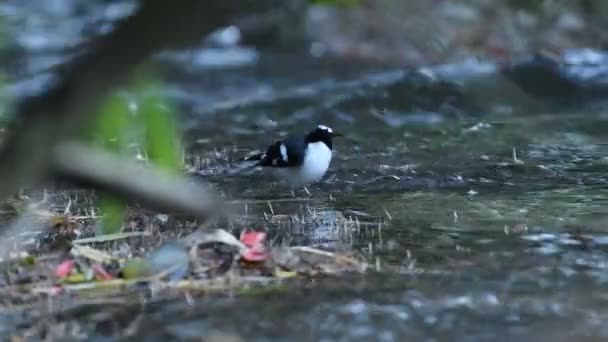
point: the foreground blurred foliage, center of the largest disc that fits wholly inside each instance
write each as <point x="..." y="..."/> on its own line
<point x="5" y="100"/>
<point x="136" y="121"/>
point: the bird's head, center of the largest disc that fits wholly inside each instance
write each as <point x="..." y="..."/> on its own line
<point x="322" y="133"/>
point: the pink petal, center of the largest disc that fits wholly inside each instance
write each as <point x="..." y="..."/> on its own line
<point x="101" y="272"/>
<point x="254" y="256"/>
<point x="252" y="239"/>
<point x="64" y="269"/>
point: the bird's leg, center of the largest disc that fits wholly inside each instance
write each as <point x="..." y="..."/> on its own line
<point x="293" y="194"/>
<point x="307" y="192"/>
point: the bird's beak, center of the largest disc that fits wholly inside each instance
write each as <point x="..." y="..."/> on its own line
<point x="336" y="134"/>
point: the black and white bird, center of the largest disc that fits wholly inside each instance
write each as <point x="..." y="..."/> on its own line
<point x="299" y="160"/>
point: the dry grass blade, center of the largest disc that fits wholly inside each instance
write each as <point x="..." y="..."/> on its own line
<point x="220" y="284"/>
<point x="91" y="253"/>
<point x="214" y="235"/>
<point x="312" y="250"/>
<point x="110" y="237"/>
<point x="276" y="200"/>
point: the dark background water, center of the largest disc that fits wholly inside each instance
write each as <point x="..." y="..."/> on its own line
<point x="482" y="216"/>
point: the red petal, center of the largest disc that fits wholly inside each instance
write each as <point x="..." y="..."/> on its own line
<point x="101" y="272"/>
<point x="254" y="242"/>
<point x="254" y="256"/>
<point x="253" y="239"/>
<point x="64" y="269"/>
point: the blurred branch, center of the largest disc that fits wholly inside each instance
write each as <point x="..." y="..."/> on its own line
<point x="111" y="173"/>
<point x="45" y="120"/>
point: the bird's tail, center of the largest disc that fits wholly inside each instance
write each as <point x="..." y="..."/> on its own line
<point x="247" y="165"/>
<point x="254" y="157"/>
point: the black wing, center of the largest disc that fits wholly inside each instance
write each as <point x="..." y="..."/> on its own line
<point x="295" y="148"/>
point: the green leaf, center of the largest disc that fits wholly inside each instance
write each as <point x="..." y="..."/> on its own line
<point x="151" y="127"/>
<point x="112" y="124"/>
<point x="162" y="137"/>
<point x="113" y="209"/>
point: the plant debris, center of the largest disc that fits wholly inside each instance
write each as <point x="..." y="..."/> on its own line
<point x="207" y="261"/>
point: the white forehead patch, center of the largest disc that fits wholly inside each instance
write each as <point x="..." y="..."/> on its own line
<point x="283" y="150"/>
<point x="325" y="128"/>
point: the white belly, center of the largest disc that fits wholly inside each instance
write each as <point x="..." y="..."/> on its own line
<point x="316" y="163"/>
